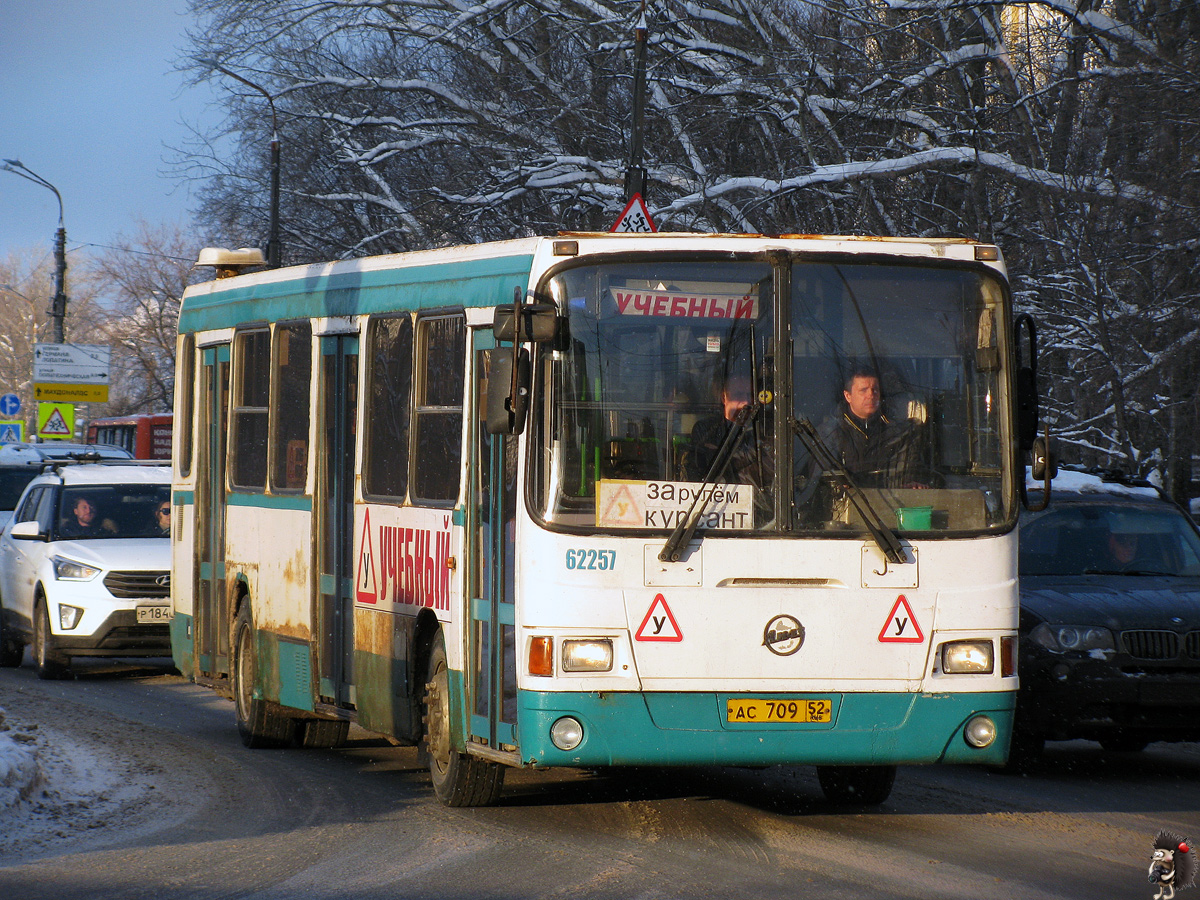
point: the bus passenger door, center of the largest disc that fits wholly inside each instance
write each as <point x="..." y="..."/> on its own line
<point x="335" y="508"/>
<point x="212" y="613"/>
<point x="491" y="516"/>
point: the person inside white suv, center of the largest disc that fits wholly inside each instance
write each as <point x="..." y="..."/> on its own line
<point x="84" y="521"/>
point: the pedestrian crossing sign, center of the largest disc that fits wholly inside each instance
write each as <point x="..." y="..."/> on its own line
<point x="12" y="432"/>
<point x="56" y="420"/>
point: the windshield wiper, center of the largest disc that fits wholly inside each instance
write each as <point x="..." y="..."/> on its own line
<point x="884" y="537"/>
<point x="681" y="535"/>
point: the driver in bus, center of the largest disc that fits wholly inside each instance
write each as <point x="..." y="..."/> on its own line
<point x="871" y="446"/>
<point x="751" y="460"/>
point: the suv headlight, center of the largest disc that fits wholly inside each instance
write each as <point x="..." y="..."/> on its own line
<point x="1084" y="638"/>
<point x="70" y="570"/>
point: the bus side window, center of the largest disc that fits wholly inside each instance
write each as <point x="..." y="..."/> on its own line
<point x="290" y="411"/>
<point x="389" y="390"/>
<point x="248" y="446"/>
<point x="439" y="408"/>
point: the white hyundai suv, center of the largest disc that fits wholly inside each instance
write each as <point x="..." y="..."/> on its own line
<point x="85" y="565"/>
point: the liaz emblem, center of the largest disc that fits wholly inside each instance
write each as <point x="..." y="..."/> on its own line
<point x="783" y="635"/>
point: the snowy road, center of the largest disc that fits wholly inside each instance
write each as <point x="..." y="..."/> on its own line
<point x="149" y="793"/>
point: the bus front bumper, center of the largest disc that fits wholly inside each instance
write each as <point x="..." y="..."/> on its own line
<point x="683" y="729"/>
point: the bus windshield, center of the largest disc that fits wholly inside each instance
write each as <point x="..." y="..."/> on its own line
<point x="776" y="396"/>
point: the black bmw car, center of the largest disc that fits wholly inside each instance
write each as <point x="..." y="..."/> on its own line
<point x="1110" y="619"/>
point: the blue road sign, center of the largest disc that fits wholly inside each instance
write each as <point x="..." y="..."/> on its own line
<point x="10" y="405"/>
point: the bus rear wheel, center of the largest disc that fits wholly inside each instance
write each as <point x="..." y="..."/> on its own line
<point x="856" y="785"/>
<point x="322" y="734"/>
<point x="458" y="779"/>
<point x="259" y="725"/>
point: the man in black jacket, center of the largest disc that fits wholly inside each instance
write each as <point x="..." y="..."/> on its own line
<point x="873" y="448"/>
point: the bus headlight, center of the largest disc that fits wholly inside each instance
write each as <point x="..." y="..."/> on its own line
<point x="589" y="655"/>
<point x="980" y="732"/>
<point x="566" y="733"/>
<point x="967" y="658"/>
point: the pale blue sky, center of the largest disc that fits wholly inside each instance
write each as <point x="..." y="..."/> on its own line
<point x="90" y="100"/>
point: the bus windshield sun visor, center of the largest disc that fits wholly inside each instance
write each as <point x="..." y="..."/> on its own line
<point x="673" y="549"/>
<point x="828" y="461"/>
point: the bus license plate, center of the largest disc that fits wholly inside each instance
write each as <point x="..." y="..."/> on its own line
<point x="150" y="615"/>
<point x="758" y="710"/>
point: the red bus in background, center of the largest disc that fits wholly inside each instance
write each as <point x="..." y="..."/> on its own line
<point x="145" y="436"/>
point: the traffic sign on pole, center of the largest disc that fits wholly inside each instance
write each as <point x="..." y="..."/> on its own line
<point x="71" y="363"/>
<point x="12" y="432"/>
<point x="56" y="420"/>
<point x="10" y="405"/>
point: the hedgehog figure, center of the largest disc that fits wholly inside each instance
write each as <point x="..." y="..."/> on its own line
<point x="1172" y="864"/>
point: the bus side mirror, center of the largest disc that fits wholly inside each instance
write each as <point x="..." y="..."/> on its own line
<point x="538" y="322"/>
<point x="1026" y="384"/>
<point x="1043" y="460"/>
<point x="506" y="407"/>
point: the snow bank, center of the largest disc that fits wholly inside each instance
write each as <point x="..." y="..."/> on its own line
<point x="20" y="773"/>
<point x="1086" y="483"/>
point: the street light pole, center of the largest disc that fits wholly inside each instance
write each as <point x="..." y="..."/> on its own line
<point x="58" y="307"/>
<point x="273" y="244"/>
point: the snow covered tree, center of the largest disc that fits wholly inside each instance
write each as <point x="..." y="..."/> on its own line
<point x="1062" y="129"/>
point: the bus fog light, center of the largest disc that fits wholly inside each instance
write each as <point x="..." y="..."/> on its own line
<point x="593" y="655"/>
<point x="967" y="658"/>
<point x="68" y="616"/>
<point x="980" y="732"/>
<point x="566" y="733"/>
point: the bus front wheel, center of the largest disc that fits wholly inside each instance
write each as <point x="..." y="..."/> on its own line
<point x="259" y="725"/>
<point x="856" y="785"/>
<point x="458" y="779"/>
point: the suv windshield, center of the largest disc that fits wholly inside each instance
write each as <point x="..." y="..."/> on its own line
<point x="113" y="511"/>
<point x="897" y="368"/>
<point x="1110" y="539"/>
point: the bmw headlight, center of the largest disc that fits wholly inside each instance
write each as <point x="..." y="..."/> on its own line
<point x="70" y="570"/>
<point x="1082" y="638"/>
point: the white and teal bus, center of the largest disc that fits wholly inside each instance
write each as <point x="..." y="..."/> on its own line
<point x="461" y="498"/>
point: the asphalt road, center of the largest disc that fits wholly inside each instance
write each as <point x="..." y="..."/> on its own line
<point x="152" y="795"/>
